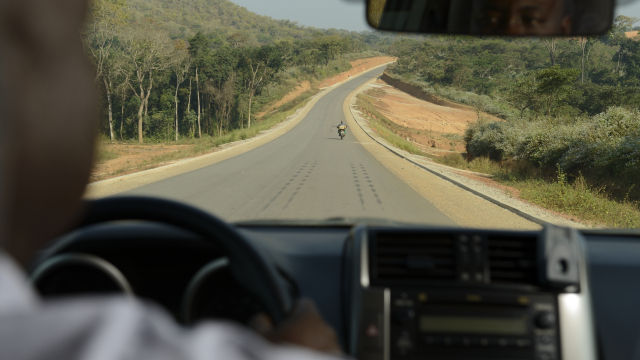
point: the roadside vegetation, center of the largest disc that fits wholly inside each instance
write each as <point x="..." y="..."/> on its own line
<point x="569" y="139"/>
<point x="170" y="70"/>
<point x="204" y="73"/>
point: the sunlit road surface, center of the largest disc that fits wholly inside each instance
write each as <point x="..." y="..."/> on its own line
<point x="307" y="173"/>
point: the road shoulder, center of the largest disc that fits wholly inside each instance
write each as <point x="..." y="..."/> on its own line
<point x="464" y="207"/>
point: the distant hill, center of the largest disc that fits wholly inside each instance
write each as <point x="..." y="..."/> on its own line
<point x="183" y="18"/>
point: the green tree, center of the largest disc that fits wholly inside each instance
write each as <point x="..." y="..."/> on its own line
<point x="555" y="85"/>
<point x="523" y="95"/>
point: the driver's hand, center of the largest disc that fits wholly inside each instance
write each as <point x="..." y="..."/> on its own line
<point x="304" y="327"/>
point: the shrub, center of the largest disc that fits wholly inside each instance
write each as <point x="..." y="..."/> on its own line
<point x="605" y="146"/>
<point x="454" y="159"/>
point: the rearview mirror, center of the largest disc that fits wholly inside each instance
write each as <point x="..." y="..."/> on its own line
<point x="493" y="17"/>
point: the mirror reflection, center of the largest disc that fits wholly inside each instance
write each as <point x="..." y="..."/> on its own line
<point x="493" y="17"/>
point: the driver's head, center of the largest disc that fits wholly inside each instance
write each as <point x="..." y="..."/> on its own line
<point x="47" y="120"/>
<point x="523" y="17"/>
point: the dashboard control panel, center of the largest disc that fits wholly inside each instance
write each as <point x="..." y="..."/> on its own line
<point x="460" y="295"/>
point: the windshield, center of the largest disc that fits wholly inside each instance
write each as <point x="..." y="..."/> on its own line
<point x="274" y="112"/>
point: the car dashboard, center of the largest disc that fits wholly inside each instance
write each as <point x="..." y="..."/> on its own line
<point x="391" y="291"/>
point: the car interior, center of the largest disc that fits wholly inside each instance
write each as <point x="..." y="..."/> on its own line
<point x="390" y="290"/>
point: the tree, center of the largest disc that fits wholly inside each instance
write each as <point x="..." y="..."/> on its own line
<point x="551" y="43"/>
<point x="147" y="51"/>
<point x="329" y="45"/>
<point x="260" y="64"/>
<point x="224" y="99"/>
<point x="523" y="94"/>
<point x="200" y="53"/>
<point x="112" y="69"/>
<point x="555" y="85"/>
<point x="583" y="41"/>
<point x="100" y="38"/>
<point x="624" y="23"/>
<point x="181" y="68"/>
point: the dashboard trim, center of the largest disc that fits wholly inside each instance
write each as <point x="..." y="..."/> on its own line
<point x="364" y="261"/>
<point x="387" y="324"/>
<point x="578" y="339"/>
<point x="84" y="259"/>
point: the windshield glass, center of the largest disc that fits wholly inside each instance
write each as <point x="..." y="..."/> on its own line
<point x="274" y="111"/>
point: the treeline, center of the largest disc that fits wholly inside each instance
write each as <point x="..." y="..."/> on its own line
<point x="160" y="86"/>
<point x="536" y="76"/>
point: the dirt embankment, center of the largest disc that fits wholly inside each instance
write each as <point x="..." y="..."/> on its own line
<point x="357" y="67"/>
<point x="297" y="91"/>
<point x="434" y="124"/>
<point x="417" y="92"/>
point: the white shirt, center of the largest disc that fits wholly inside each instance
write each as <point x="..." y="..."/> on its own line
<point x="116" y="328"/>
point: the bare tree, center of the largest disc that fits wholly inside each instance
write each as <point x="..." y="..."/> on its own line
<point x="583" y="41"/>
<point x="122" y="88"/>
<point x="224" y="99"/>
<point x="550" y="43"/>
<point x="253" y="84"/>
<point x="198" y="96"/>
<point x="147" y="51"/>
<point x="181" y="67"/>
<point x="100" y="37"/>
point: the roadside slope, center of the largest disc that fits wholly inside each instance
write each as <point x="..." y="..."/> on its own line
<point x="462" y="206"/>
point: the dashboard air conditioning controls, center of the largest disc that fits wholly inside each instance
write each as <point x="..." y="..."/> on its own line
<point x="407" y="257"/>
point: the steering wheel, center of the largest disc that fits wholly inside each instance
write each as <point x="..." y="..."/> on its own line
<point x="249" y="268"/>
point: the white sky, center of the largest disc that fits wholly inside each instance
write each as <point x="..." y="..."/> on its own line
<point x="344" y="14"/>
<point x="324" y="14"/>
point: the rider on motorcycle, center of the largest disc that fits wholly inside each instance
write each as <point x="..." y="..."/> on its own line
<point x="342" y="127"/>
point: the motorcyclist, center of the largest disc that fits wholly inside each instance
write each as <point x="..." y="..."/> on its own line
<point x="342" y="126"/>
<point x="48" y="124"/>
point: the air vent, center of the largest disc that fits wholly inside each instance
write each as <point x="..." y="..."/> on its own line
<point x="414" y="257"/>
<point x="512" y="260"/>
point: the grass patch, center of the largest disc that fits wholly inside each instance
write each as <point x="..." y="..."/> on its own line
<point x="571" y="195"/>
<point x="481" y="164"/>
<point x="579" y="199"/>
<point x="103" y="153"/>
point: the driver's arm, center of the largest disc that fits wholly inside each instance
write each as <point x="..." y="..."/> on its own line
<point x="118" y="328"/>
<point x="47" y="130"/>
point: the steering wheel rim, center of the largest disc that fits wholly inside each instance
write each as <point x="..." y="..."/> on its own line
<point x="250" y="268"/>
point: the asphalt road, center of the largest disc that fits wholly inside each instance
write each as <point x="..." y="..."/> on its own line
<point x="307" y="173"/>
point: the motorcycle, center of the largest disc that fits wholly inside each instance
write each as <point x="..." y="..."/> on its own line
<point x="342" y="131"/>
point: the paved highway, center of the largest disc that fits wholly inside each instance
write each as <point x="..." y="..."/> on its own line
<point x="307" y="173"/>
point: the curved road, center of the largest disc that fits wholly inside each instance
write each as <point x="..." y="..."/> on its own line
<point x="307" y="173"/>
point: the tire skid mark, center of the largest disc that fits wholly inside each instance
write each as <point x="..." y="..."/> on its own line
<point x="370" y="185"/>
<point x="300" y="175"/>
<point x="303" y="180"/>
<point x="356" y="180"/>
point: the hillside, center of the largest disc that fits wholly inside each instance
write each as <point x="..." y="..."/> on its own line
<point x="184" y="18"/>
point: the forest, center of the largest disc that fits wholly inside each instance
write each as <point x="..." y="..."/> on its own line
<point x="169" y="69"/>
<point x="535" y="76"/>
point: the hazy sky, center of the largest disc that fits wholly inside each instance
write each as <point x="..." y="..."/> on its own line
<point x="324" y="14"/>
<point x="343" y="14"/>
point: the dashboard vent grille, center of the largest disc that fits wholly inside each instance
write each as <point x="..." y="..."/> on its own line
<point x="414" y="258"/>
<point x="512" y="260"/>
